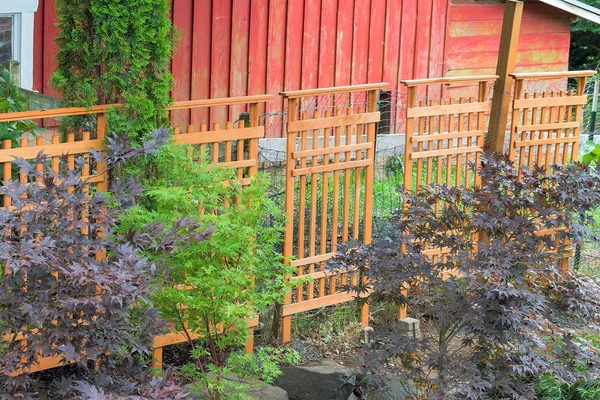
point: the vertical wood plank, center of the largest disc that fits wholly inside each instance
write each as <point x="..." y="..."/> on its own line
<point x="38" y="47"/>
<point x="327" y="43"/>
<point x="343" y="52"/>
<point x="275" y="61"/>
<point x="293" y="45"/>
<point x="182" y="58"/>
<point x="240" y="30"/>
<point x="288" y="239"/>
<point x="376" y="41"/>
<point x="310" y="44"/>
<point x="201" y="58"/>
<point x="257" y="57"/>
<point x="360" y="43"/>
<point x="507" y="55"/>
<point x="437" y="45"/>
<point x="220" y="58"/>
<point x="422" y="42"/>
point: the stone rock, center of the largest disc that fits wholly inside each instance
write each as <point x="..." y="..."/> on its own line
<point x="267" y="392"/>
<point x="258" y="391"/>
<point x="388" y="387"/>
<point x="327" y="381"/>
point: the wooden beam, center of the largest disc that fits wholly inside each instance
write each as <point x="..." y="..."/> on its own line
<point x="507" y="55"/>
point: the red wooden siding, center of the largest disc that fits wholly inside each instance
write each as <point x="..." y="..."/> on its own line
<point x="239" y="47"/>
<point x="473" y="38"/>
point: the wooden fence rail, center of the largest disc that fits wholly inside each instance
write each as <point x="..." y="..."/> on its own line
<point x="225" y="144"/>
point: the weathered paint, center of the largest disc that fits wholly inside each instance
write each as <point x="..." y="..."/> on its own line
<point x="238" y="47"/>
<point x="473" y="37"/>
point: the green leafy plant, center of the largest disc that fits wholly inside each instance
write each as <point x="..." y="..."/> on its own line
<point x="215" y="286"/>
<point x="11" y="100"/>
<point x="116" y="52"/>
<point x="241" y="372"/>
<point x="590" y="152"/>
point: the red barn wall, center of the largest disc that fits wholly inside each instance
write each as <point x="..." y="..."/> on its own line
<point x="239" y="47"/>
<point x="473" y="39"/>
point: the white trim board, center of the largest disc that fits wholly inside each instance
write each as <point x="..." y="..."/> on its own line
<point x="18" y="6"/>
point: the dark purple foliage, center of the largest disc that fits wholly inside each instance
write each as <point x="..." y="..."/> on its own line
<point x="494" y="288"/>
<point x="72" y="287"/>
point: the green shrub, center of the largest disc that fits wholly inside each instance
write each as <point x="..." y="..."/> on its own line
<point x="213" y="287"/>
<point x="116" y="51"/>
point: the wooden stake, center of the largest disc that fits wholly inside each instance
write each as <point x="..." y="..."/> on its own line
<point x="507" y="55"/>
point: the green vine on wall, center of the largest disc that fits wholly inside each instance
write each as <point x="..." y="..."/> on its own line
<point x="116" y="52"/>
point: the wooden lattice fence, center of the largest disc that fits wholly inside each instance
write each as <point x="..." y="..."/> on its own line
<point x="546" y="124"/>
<point x="236" y="147"/>
<point x="329" y="189"/>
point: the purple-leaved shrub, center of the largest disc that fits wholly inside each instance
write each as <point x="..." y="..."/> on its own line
<point x="490" y="332"/>
<point x="72" y="287"/>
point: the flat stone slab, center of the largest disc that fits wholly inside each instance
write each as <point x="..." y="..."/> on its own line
<point x="326" y="381"/>
<point x="267" y="392"/>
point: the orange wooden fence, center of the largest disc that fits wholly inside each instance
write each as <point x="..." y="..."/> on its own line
<point x="444" y="135"/>
<point x="545" y="127"/>
<point x="330" y="156"/>
<point x="226" y="144"/>
<point x="330" y="163"/>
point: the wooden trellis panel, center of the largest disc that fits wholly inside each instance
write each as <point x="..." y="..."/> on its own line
<point x="545" y="128"/>
<point x="444" y="135"/>
<point x="232" y="144"/>
<point x="329" y="189"/>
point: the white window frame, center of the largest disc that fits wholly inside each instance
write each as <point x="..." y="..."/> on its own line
<point x="23" y="11"/>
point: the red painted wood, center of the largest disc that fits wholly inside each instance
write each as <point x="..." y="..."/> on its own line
<point x="183" y="11"/>
<point x="38" y="48"/>
<point x="437" y="45"/>
<point x="201" y="50"/>
<point x="276" y="64"/>
<point x="391" y="49"/>
<point x="257" y="57"/>
<point x="293" y="45"/>
<point x="310" y="44"/>
<point x="422" y="42"/>
<point x="360" y="42"/>
<point x="220" y="57"/>
<point x="391" y="52"/>
<point x="376" y="41"/>
<point x="343" y="50"/>
<point x="327" y="44"/>
<point x="243" y="47"/>
<point x="239" y="53"/>
<point x="407" y="39"/>
<point x="526" y="42"/>
<point x="50" y="49"/>
<point x="493" y="27"/>
<point x="525" y="57"/>
<point x="478" y="12"/>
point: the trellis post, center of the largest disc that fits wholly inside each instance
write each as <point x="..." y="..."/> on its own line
<point x="507" y="55"/>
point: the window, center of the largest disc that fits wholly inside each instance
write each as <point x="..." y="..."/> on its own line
<point x="9" y="49"/>
<point x="16" y="37"/>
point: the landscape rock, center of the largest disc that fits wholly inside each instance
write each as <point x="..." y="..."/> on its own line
<point x="326" y="381"/>
<point x="388" y="387"/>
<point x="267" y="392"/>
<point x="258" y="391"/>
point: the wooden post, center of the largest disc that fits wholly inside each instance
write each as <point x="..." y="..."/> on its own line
<point x="507" y="55"/>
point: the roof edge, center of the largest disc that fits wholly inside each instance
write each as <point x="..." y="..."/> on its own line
<point x="577" y="8"/>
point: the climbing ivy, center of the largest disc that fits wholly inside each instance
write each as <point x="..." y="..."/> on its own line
<point x="116" y="52"/>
